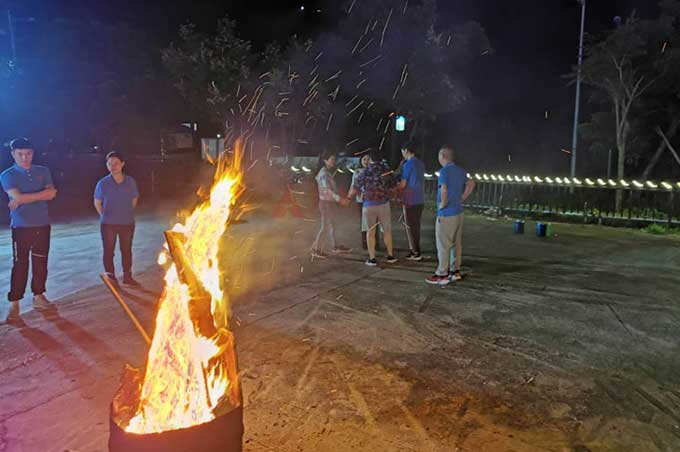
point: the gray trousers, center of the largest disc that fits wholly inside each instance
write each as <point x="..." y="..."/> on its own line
<point x="449" y="234"/>
<point x="327" y="228"/>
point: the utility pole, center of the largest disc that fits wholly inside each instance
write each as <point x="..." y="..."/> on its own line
<point x="574" y="139"/>
<point x="10" y="26"/>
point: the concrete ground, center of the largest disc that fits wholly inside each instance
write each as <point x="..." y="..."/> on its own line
<point x="562" y="344"/>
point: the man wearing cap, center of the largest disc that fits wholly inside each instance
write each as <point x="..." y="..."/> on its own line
<point x="28" y="187"/>
<point x="115" y="198"/>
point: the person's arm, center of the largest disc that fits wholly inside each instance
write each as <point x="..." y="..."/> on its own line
<point x="444" y="196"/>
<point x="99" y="205"/>
<point x="135" y="199"/>
<point x="405" y="174"/>
<point x="18" y="198"/>
<point x="357" y="183"/>
<point x="469" y="187"/>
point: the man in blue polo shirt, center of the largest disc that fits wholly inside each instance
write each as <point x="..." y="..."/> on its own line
<point x="413" y="197"/>
<point x="454" y="188"/>
<point x="115" y="199"/>
<point x="29" y="187"/>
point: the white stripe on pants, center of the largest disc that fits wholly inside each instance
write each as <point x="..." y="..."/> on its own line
<point x="449" y="233"/>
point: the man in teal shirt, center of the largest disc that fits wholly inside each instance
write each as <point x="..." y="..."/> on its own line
<point x="413" y="197"/>
<point x="454" y="188"/>
<point x="28" y="187"/>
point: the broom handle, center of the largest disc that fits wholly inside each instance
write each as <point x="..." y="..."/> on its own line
<point x="126" y="308"/>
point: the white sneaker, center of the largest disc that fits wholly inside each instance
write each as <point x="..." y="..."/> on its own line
<point x="13" y="314"/>
<point x="41" y="302"/>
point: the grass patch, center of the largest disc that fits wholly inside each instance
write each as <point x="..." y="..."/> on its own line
<point x="658" y="229"/>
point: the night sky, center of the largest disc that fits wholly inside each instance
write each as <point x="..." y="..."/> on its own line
<point x="534" y="41"/>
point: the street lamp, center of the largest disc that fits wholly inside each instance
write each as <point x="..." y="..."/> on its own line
<point x="574" y="137"/>
<point x="10" y="28"/>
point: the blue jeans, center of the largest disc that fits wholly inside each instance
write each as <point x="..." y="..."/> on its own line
<point x="327" y="210"/>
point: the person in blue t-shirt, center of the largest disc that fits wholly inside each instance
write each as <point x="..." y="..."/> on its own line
<point x="115" y="199"/>
<point x="413" y="197"/>
<point x="29" y="187"/>
<point x="454" y="188"/>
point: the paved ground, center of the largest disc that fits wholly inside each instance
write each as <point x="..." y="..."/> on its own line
<point x="565" y="344"/>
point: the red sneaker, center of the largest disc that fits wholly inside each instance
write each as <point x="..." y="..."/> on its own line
<point x="438" y="280"/>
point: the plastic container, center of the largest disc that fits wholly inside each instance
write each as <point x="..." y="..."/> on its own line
<point x="541" y="229"/>
<point x="518" y="227"/>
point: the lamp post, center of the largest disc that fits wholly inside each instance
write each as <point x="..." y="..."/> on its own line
<point x="10" y="27"/>
<point x="574" y="138"/>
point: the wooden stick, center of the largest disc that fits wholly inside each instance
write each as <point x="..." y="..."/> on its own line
<point x="126" y="308"/>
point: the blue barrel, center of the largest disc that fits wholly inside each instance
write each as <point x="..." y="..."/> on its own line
<point x="519" y="227"/>
<point x="541" y="229"/>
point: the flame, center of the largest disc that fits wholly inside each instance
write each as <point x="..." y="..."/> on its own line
<point x="186" y="377"/>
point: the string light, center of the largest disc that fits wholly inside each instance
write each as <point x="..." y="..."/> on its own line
<point x="305" y="169"/>
<point x="296" y="170"/>
<point x="624" y="183"/>
<point x="549" y="180"/>
<point x="559" y="180"/>
<point x="611" y="182"/>
<point x="637" y="184"/>
<point x="601" y="182"/>
<point x="589" y="182"/>
<point x="651" y="184"/>
<point x="667" y="186"/>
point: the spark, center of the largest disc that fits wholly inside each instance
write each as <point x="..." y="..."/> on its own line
<point x="381" y="143"/>
<point x="366" y="45"/>
<point x="370" y="105"/>
<point x="361" y="116"/>
<point x="361" y="83"/>
<point x="357" y="44"/>
<point x="318" y="56"/>
<point x="352" y="142"/>
<point x="566" y="151"/>
<point x="335" y="93"/>
<point x="238" y="90"/>
<point x="264" y="75"/>
<point x="253" y="164"/>
<point x="382" y="39"/>
<point x="355" y="108"/>
<point x="405" y="6"/>
<point x="316" y="68"/>
<point x="351" y="6"/>
<point x="351" y="101"/>
<point x="448" y="41"/>
<point x="362" y="152"/>
<point x="328" y="125"/>
<point x="334" y="76"/>
<point x="282" y="101"/>
<point x="663" y="49"/>
<point x="396" y="90"/>
<point x="386" y="126"/>
<point x="379" y="124"/>
<point x="371" y="61"/>
<point x="387" y="173"/>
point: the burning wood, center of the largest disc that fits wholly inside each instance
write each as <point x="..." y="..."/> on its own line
<point x="190" y="384"/>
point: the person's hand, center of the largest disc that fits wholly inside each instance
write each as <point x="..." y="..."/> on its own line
<point x="13" y="204"/>
<point x="344" y="202"/>
<point x="51" y="191"/>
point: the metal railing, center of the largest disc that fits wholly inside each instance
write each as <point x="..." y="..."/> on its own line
<point x="587" y="200"/>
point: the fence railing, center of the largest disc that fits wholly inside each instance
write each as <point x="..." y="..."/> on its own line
<point x="575" y="199"/>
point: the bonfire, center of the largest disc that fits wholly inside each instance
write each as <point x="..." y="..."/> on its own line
<point x="191" y="375"/>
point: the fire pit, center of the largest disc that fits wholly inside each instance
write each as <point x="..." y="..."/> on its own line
<point x="188" y="397"/>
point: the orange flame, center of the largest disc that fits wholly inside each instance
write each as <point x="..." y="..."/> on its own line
<point x="185" y="380"/>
